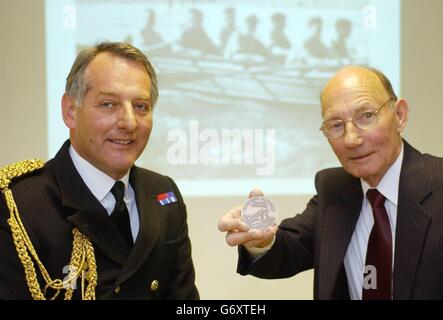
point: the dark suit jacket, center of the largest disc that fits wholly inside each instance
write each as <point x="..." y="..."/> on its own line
<point x="319" y="237"/>
<point x="54" y="200"/>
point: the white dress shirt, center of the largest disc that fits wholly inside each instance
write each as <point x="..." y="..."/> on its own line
<point x="100" y="185"/>
<point x="355" y="257"/>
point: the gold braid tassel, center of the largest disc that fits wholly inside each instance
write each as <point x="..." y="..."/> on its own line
<point x="82" y="257"/>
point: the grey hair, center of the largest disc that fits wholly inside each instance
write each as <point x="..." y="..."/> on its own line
<point x="76" y="82"/>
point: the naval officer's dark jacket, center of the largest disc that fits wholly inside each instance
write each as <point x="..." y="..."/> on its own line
<point x="54" y="200"/>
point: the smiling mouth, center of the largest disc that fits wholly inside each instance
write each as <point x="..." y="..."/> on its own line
<point x="360" y="157"/>
<point x="121" y="142"/>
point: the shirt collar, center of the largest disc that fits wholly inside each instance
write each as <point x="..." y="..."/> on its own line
<point x="388" y="186"/>
<point x="97" y="181"/>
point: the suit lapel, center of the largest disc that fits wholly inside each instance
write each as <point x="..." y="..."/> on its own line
<point x="340" y="220"/>
<point x="411" y="229"/>
<point x="149" y="213"/>
<point x="88" y="215"/>
<point x="412" y="222"/>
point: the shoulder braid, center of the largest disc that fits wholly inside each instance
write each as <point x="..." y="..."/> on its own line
<point x="82" y="263"/>
<point x="18" y="169"/>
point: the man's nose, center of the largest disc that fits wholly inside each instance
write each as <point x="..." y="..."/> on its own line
<point x="352" y="135"/>
<point x="127" y="118"/>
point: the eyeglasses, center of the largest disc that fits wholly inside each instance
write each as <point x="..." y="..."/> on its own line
<point x="365" y="119"/>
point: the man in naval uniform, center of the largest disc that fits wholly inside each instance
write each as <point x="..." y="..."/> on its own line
<point x="89" y="223"/>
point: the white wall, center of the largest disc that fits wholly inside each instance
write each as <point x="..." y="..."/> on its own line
<point x="422" y="69"/>
<point x="23" y="133"/>
<point x="22" y="79"/>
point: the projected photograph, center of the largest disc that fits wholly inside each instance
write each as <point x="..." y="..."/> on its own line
<point x="252" y="66"/>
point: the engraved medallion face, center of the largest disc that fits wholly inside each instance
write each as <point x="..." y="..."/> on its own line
<point x="259" y="213"/>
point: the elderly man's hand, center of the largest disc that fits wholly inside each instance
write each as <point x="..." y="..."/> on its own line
<point x="238" y="233"/>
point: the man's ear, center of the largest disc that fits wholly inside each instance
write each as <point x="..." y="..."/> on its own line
<point x="401" y="114"/>
<point x="69" y="111"/>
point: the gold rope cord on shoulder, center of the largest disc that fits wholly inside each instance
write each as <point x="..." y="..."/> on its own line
<point x="82" y="263"/>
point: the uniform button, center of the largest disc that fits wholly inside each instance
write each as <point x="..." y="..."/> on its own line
<point x="154" y="285"/>
<point x="117" y="290"/>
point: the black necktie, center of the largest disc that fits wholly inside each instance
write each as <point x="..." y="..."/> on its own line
<point x="379" y="254"/>
<point x="120" y="215"/>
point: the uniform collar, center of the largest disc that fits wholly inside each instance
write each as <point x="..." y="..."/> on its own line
<point x="97" y="181"/>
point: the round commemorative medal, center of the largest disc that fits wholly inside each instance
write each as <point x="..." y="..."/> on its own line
<point x="259" y="213"/>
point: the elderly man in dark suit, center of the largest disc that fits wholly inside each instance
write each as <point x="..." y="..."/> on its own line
<point x="88" y="223"/>
<point x="374" y="229"/>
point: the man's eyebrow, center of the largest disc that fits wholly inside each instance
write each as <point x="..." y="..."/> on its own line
<point x="113" y="94"/>
<point x="144" y="97"/>
<point x="107" y="93"/>
<point x="333" y="117"/>
<point x="361" y="107"/>
<point x="365" y="106"/>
